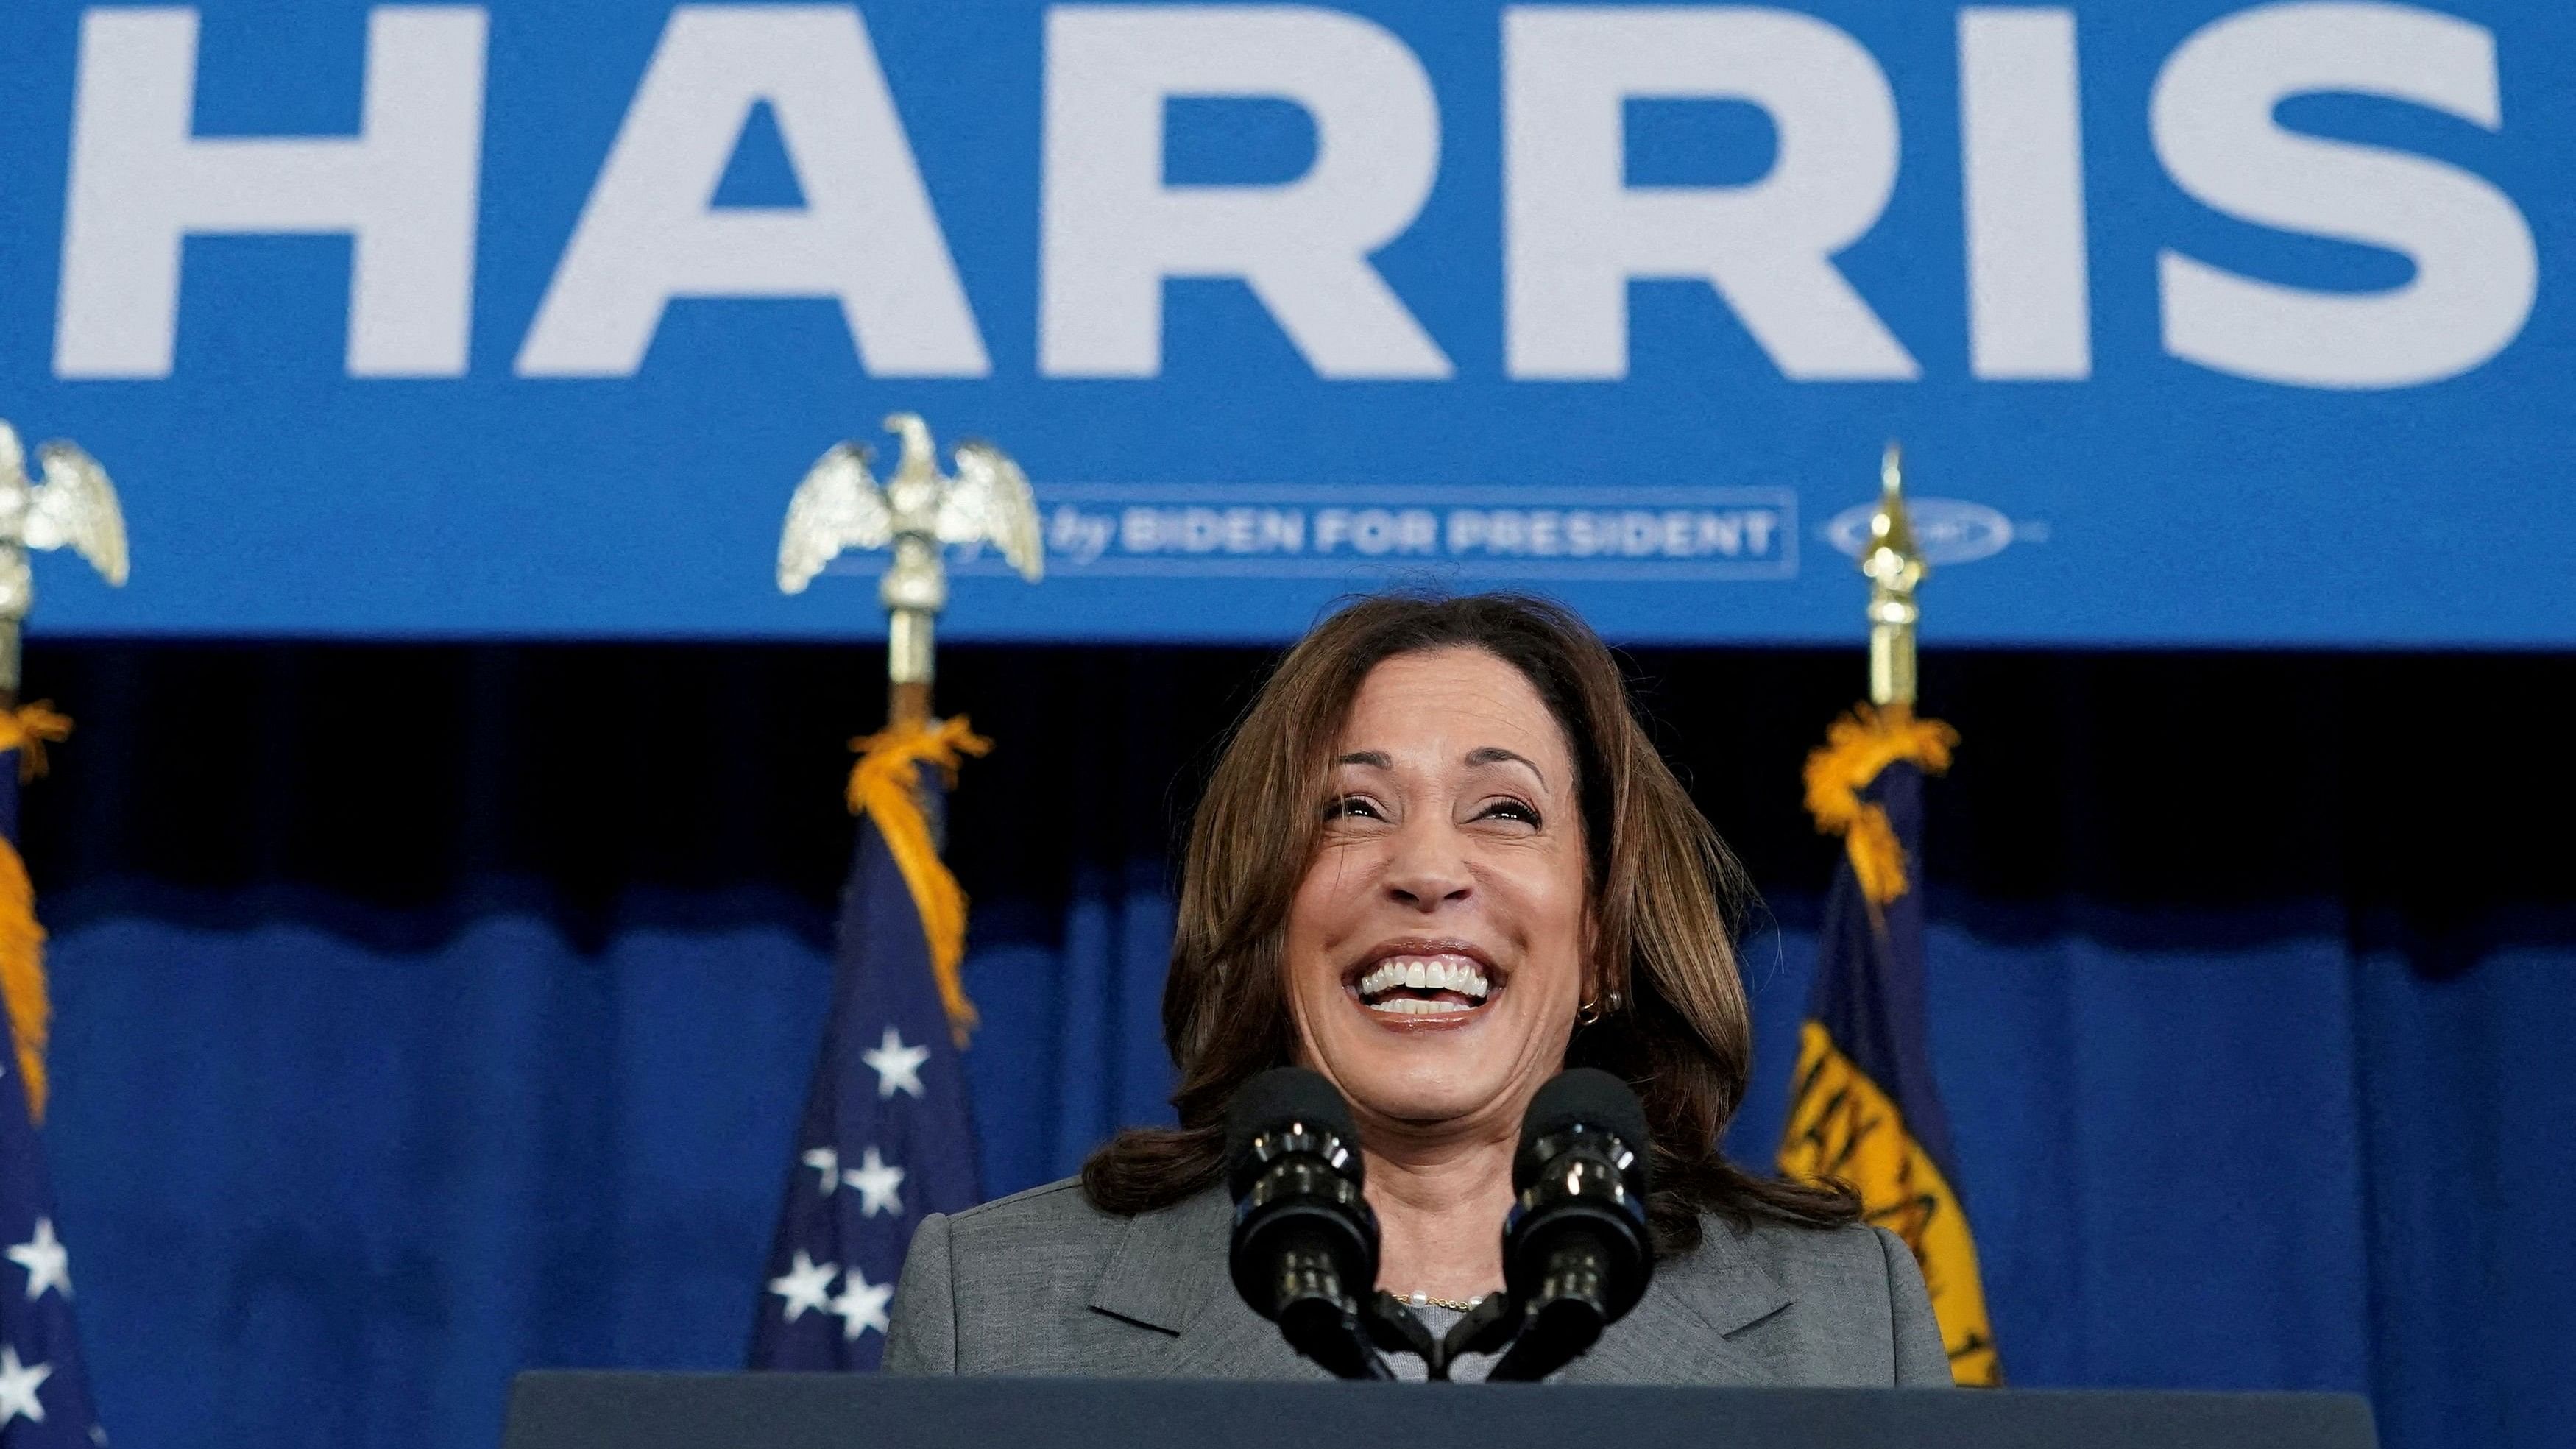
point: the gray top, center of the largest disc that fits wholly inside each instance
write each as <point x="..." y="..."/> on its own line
<point x="1466" y="1368"/>
<point x="1044" y="1283"/>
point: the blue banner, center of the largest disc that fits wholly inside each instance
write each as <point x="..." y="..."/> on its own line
<point x="2200" y="323"/>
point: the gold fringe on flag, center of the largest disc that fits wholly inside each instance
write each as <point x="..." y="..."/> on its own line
<point x="22" y="975"/>
<point x="1856" y="748"/>
<point x="885" y="786"/>
<point x="26" y="729"/>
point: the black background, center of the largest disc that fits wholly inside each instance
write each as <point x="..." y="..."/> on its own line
<point x="2410" y="789"/>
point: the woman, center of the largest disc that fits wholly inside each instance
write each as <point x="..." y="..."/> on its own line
<point x="1439" y="862"/>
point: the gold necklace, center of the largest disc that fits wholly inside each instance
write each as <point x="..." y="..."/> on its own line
<point x="1425" y="1300"/>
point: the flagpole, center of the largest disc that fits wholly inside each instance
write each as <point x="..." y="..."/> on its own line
<point x="73" y="505"/>
<point x="885" y="1120"/>
<point x="10" y="631"/>
<point x="1895" y="567"/>
<point x="1864" y="1107"/>
<point x="914" y="589"/>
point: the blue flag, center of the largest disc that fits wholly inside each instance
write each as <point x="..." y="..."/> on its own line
<point x="885" y="1138"/>
<point x="44" y="1393"/>
<point x="1864" y="1108"/>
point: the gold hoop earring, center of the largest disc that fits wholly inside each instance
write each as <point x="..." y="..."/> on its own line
<point x="1588" y="1014"/>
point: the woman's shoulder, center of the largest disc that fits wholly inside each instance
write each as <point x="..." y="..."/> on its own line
<point x="1054" y="1234"/>
<point x="1010" y="1286"/>
<point x="1799" y="1253"/>
<point x="1850" y="1266"/>
<point x="1055" y="1207"/>
<point x="1049" y="1229"/>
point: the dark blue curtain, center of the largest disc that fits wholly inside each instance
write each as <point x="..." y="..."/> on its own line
<point x="372" y="1089"/>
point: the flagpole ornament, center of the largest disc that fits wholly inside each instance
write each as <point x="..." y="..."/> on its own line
<point x="840" y="506"/>
<point x="74" y="506"/>
<point x="1895" y="568"/>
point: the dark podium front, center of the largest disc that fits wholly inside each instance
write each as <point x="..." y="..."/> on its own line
<point x="853" y="1411"/>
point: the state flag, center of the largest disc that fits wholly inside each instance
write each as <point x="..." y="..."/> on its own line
<point x="1864" y="1108"/>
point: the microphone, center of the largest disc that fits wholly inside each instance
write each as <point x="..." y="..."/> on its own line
<point x="1576" y="1254"/>
<point x="1305" y="1242"/>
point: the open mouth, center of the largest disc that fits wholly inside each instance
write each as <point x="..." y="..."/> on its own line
<point x="1425" y="980"/>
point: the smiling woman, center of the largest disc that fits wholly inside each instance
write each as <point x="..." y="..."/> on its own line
<point x="1438" y="863"/>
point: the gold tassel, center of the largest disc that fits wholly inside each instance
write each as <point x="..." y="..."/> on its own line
<point x="1857" y="747"/>
<point x="26" y="729"/>
<point x="22" y="975"/>
<point x="885" y="786"/>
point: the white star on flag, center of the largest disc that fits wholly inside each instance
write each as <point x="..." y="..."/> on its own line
<point x="827" y="1162"/>
<point x="46" y="1262"/>
<point x="898" y="1067"/>
<point x="806" y="1285"/>
<point x="862" y="1306"/>
<point x="877" y="1183"/>
<point x="18" y="1384"/>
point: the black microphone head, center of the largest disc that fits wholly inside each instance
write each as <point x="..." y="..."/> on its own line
<point x="1279" y="1096"/>
<point x="1587" y="1097"/>
<point x="1577" y="1251"/>
<point x="1304" y="1248"/>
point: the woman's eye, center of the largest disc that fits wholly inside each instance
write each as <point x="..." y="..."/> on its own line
<point x="1342" y="807"/>
<point x="1518" y="810"/>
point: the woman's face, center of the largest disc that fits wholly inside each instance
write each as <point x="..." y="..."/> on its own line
<point x="1435" y="950"/>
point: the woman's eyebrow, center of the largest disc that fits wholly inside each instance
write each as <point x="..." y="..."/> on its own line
<point x="1497" y="755"/>
<point x="1374" y="759"/>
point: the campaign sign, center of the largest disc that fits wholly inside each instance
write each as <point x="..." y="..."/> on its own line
<point x="2200" y="323"/>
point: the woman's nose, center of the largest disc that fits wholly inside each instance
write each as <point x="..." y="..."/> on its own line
<point x="1428" y="869"/>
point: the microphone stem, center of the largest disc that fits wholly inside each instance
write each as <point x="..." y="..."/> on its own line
<point x="1566" y="1315"/>
<point x="1319" y="1320"/>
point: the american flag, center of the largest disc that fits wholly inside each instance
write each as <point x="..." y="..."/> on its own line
<point x="885" y="1137"/>
<point x="44" y="1394"/>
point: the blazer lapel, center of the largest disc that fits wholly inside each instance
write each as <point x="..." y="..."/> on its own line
<point x="1167" y="1263"/>
<point x="1681" y="1331"/>
<point x="1170" y="1274"/>
<point x="1227" y="1340"/>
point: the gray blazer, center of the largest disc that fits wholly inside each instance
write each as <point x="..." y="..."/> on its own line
<point x="1044" y="1283"/>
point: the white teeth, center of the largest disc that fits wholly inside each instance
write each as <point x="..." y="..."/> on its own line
<point x="1415" y="1006"/>
<point x="1433" y="974"/>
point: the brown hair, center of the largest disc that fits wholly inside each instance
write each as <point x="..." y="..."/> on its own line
<point x="1667" y="896"/>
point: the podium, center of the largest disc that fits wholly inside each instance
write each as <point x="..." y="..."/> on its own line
<point x="565" y="1410"/>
